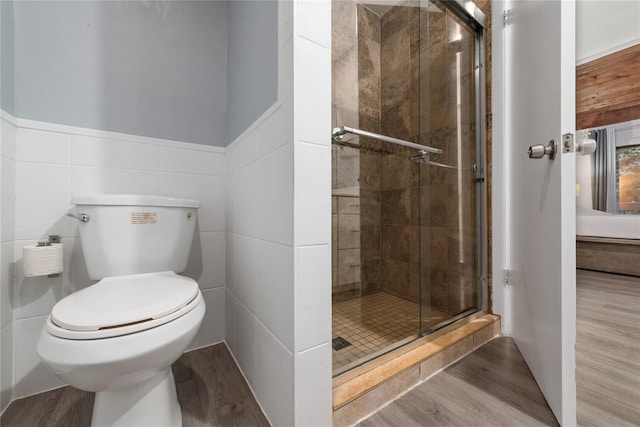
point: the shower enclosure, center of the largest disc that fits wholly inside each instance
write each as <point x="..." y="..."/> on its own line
<point x="408" y="193"/>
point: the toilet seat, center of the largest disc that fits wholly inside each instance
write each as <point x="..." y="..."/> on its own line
<point x="123" y="305"/>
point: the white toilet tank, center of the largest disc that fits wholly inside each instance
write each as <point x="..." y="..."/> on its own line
<point x="131" y="234"/>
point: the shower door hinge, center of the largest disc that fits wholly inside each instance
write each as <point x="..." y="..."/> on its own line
<point x="507" y="277"/>
<point x="505" y="16"/>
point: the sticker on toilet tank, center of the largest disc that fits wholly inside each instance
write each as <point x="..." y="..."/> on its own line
<point x="144" y="218"/>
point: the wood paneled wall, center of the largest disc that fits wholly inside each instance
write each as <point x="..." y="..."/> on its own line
<point x="608" y="89"/>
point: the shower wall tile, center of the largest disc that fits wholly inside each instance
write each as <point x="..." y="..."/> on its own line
<point x="348" y="164"/>
<point x="395" y="172"/>
<point x="396" y="19"/>
<point x="370" y="241"/>
<point x="368" y="23"/>
<point x="368" y="55"/>
<point x="370" y="212"/>
<point x="371" y="271"/>
<point x="348" y="231"/>
<point x="348" y="266"/>
<point x="343" y="16"/>
<point x="396" y="207"/>
<point x="400" y="243"/>
<point x="401" y="279"/>
<point x="348" y="205"/>
<point x="396" y="121"/>
<point x="370" y="172"/>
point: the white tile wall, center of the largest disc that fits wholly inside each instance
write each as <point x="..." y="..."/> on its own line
<point x="113" y="153"/>
<point x="271" y="178"/>
<point x="7" y="187"/>
<point x="274" y="264"/>
<point x="313" y="386"/>
<point x="30" y="375"/>
<point x="278" y="230"/>
<point x="42" y="200"/>
<point x="212" y="328"/>
<point x="55" y="163"/>
<point x="6" y="366"/>
<point x="6" y="278"/>
<point x="43" y="147"/>
<point x="246" y="345"/>
<point x="207" y="260"/>
<point x="313" y="297"/>
<point x="312" y="213"/>
<point x="274" y="383"/>
<point x="313" y="194"/>
<point x="274" y="196"/>
<point x="7" y="236"/>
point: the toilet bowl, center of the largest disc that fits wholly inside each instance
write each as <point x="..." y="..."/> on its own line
<point x="119" y="337"/>
<point x="92" y="342"/>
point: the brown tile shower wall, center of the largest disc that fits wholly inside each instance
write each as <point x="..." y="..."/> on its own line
<point x="346" y="253"/>
<point x="400" y="37"/>
<point x="370" y="160"/>
<point x="400" y="97"/>
<point x="451" y="251"/>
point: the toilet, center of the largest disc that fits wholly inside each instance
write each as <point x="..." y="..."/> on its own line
<point x="119" y="336"/>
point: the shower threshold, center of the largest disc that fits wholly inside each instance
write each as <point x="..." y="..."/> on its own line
<point x="362" y="390"/>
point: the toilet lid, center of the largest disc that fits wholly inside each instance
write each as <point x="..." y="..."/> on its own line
<point x="123" y="301"/>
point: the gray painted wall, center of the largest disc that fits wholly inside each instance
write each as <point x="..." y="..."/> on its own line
<point x="7" y="100"/>
<point x="147" y="68"/>
<point x="253" y="62"/>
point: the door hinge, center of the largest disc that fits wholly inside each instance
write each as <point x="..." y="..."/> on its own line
<point x="506" y="14"/>
<point x="507" y="277"/>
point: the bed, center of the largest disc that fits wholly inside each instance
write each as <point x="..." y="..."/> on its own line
<point x="608" y="242"/>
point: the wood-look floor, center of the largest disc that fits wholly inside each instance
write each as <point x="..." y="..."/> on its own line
<point x="608" y="349"/>
<point x="211" y="391"/>
<point x="493" y="386"/>
<point x="490" y="387"/>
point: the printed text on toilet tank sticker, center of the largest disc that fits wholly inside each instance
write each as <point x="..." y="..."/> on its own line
<point x="139" y="218"/>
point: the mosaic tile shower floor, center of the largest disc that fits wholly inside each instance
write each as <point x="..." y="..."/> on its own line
<point x="373" y="323"/>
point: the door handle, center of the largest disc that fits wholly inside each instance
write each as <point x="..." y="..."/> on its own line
<point x="539" y="151"/>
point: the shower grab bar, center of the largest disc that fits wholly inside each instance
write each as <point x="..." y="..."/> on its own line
<point x="338" y="133"/>
<point x="423" y="157"/>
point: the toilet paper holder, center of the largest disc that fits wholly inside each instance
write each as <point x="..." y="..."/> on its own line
<point x="54" y="238"/>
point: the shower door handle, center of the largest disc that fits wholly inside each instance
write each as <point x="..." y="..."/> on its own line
<point x="539" y="151"/>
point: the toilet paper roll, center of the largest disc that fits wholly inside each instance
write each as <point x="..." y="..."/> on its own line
<point x="42" y="260"/>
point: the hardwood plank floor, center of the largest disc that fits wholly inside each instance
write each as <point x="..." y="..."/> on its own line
<point x="490" y="387"/>
<point x="493" y="386"/>
<point x="608" y="349"/>
<point x="210" y="387"/>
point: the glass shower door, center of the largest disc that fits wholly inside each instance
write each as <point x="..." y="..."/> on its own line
<point x="450" y="183"/>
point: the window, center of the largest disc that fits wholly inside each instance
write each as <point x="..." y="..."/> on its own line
<point x="628" y="179"/>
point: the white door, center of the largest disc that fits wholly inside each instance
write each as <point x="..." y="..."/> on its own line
<point x="539" y="100"/>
